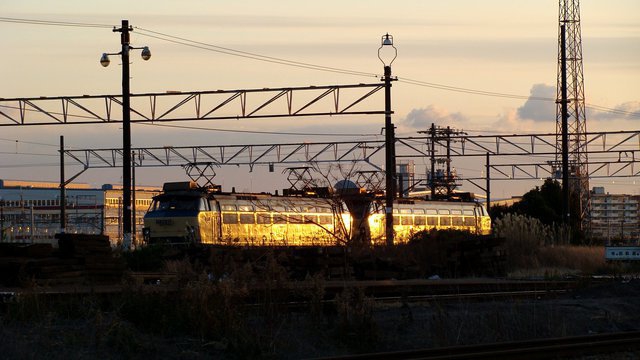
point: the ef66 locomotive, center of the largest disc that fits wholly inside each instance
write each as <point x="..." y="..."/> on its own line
<point x="186" y="213"/>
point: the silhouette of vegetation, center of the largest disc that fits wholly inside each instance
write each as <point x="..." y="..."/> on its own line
<point x="545" y="204"/>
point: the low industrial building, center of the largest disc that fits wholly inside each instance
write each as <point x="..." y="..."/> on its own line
<point x="30" y="211"/>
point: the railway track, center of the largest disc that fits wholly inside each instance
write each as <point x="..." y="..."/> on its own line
<point x="564" y="347"/>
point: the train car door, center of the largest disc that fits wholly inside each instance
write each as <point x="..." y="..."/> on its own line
<point x="216" y="223"/>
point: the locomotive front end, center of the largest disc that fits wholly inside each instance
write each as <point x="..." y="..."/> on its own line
<point x="174" y="218"/>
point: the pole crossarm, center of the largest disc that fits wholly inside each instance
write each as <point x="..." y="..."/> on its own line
<point x="355" y="99"/>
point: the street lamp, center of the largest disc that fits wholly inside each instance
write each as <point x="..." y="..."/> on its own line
<point x="387" y="53"/>
<point x="126" y="125"/>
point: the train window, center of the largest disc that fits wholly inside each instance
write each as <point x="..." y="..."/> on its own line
<point x="295" y="219"/>
<point x="178" y="203"/>
<point x="279" y="218"/>
<point x="324" y="209"/>
<point x="469" y="221"/>
<point x="468" y="212"/>
<point x="230" y="218"/>
<point x="444" y="212"/>
<point x="264" y="218"/>
<point x="418" y="211"/>
<point x="396" y="219"/>
<point x="456" y="212"/>
<point x="325" y="219"/>
<point x="432" y="220"/>
<point x="445" y="221"/>
<point x="432" y="211"/>
<point x="405" y="211"/>
<point x="278" y="208"/>
<point x="420" y="220"/>
<point x="247" y="219"/>
<point x="245" y="208"/>
<point x="227" y="207"/>
<point x="406" y="220"/>
<point x="395" y="211"/>
<point x="456" y="220"/>
<point x="204" y="205"/>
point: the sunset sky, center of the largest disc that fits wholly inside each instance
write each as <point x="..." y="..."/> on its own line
<point x="499" y="46"/>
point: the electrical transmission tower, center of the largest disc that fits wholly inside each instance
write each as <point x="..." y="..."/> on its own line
<point x="571" y="104"/>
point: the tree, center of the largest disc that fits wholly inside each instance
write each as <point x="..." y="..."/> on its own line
<point x="545" y="204"/>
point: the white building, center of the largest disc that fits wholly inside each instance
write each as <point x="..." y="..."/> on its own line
<point x="615" y="217"/>
<point x="30" y="211"/>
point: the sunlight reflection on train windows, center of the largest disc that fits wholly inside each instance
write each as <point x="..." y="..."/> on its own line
<point x="325" y="219"/>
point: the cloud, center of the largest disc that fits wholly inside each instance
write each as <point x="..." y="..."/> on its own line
<point x="629" y="110"/>
<point x="422" y="118"/>
<point x="540" y="105"/>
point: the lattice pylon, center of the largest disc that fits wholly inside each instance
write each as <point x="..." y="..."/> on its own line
<point x="569" y="16"/>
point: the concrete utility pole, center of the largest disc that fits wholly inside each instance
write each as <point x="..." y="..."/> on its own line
<point x="390" y="153"/>
<point x="126" y="125"/>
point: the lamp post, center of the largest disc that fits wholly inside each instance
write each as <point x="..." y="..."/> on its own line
<point x="1" y="219"/>
<point x="126" y="125"/>
<point x="387" y="53"/>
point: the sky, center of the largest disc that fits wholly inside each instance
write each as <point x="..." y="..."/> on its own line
<point x="498" y="46"/>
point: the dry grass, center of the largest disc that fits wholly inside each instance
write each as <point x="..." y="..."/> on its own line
<point x="530" y="250"/>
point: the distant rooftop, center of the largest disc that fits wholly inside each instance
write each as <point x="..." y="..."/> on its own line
<point x="28" y="184"/>
<point x="40" y="184"/>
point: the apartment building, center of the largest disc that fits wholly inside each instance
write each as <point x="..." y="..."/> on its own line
<point x="615" y="218"/>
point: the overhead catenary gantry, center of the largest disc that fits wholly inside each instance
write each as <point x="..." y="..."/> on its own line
<point x="194" y="105"/>
<point x="513" y="157"/>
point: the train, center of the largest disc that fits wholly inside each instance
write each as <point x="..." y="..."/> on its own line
<point x="185" y="213"/>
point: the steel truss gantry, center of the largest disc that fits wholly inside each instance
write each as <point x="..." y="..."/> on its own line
<point x="194" y="105"/>
<point x="513" y="157"/>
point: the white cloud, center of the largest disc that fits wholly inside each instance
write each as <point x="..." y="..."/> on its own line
<point x="540" y="105"/>
<point x="422" y="118"/>
<point x="629" y="110"/>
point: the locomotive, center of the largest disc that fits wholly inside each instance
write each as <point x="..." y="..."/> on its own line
<point x="186" y="213"/>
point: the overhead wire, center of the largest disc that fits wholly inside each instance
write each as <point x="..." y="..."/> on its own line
<point x="253" y="131"/>
<point x="245" y="54"/>
<point x="52" y="23"/>
<point x="254" y="56"/>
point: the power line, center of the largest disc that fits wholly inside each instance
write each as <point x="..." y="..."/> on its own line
<point x="25" y="153"/>
<point x="248" y="55"/>
<point x="281" y="61"/>
<point x="254" y="131"/>
<point x="52" y="23"/>
<point x="28" y="142"/>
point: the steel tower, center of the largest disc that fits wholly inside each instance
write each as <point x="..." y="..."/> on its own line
<point x="570" y="65"/>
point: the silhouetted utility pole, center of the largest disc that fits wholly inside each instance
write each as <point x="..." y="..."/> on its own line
<point x="390" y="153"/>
<point x="126" y="125"/>
<point x="566" y="216"/>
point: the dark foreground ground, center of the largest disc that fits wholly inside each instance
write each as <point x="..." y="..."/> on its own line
<point x="214" y="324"/>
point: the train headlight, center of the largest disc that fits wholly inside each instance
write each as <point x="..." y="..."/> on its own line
<point x="146" y="234"/>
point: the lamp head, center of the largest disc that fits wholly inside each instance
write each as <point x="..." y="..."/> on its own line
<point x="104" y="60"/>
<point x="146" y="53"/>
<point x="387" y="53"/>
<point x="387" y="40"/>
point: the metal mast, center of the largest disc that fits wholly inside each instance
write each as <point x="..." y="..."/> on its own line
<point x="576" y="122"/>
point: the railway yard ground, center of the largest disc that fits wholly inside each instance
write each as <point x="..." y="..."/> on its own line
<point x="258" y="311"/>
